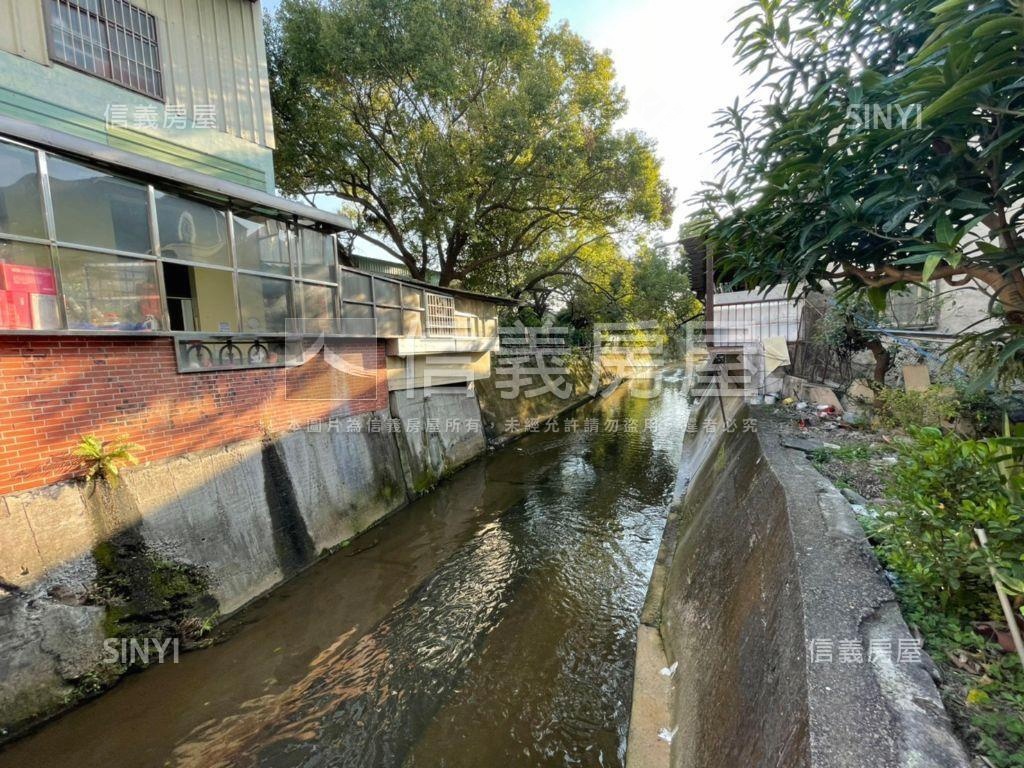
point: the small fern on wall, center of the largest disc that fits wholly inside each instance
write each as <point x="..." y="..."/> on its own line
<point x="103" y="460"/>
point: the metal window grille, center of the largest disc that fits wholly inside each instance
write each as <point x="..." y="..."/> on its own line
<point x="112" y="39"/>
<point x="914" y="307"/>
<point x="756" y="321"/>
<point x="440" y="315"/>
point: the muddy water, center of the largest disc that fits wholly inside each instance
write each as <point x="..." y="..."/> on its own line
<point x="491" y="624"/>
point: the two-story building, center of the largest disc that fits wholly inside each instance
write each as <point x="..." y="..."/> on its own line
<point x="151" y="282"/>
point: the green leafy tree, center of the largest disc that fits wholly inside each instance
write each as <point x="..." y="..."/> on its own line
<point x="889" y="150"/>
<point x="469" y="136"/>
<point x="649" y="287"/>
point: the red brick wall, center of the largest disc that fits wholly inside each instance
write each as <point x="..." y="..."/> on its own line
<point x="53" y="390"/>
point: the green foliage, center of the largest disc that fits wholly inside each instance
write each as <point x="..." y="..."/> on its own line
<point x="983" y="412"/>
<point x="103" y="460"/>
<point x="890" y="151"/>
<point x="986" y="704"/>
<point x="851" y="452"/>
<point x="995" y="355"/>
<point x="651" y="287"/>
<point x="468" y="136"/>
<point x="898" y="409"/>
<point x="841" y="327"/>
<point x="943" y="488"/>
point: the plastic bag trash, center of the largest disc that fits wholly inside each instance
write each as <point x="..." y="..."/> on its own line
<point x="666" y="735"/>
<point x="670" y="671"/>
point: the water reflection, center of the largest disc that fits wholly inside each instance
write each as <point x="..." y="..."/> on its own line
<point x="490" y="624"/>
<point x="358" y="706"/>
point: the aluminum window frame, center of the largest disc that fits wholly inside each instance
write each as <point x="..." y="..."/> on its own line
<point x="55" y="245"/>
<point x="295" y="277"/>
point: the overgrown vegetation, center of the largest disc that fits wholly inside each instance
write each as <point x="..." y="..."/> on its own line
<point x="102" y="460"/>
<point x="983" y="686"/>
<point x="942" y="488"/>
<point x="899" y="409"/>
<point x="887" y="151"/>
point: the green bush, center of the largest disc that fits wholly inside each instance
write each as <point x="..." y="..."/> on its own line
<point x="897" y="409"/>
<point x="942" y="489"/>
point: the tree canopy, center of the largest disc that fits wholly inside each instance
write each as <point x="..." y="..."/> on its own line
<point x="890" y="150"/>
<point x="469" y="136"/>
<point x="651" y="287"/>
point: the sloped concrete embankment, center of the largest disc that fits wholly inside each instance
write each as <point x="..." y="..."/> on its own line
<point x="197" y="537"/>
<point x="785" y="635"/>
<point x="188" y="539"/>
<point x="508" y="411"/>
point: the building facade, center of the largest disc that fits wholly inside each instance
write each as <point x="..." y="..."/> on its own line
<point x="151" y="283"/>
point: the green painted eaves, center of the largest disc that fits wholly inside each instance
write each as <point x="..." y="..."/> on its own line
<point x="39" y="112"/>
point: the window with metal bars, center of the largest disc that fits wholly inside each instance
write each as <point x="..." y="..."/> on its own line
<point x="112" y="39"/>
<point x="440" y="315"/>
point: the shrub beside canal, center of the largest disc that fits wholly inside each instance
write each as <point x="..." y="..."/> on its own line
<point x="942" y="488"/>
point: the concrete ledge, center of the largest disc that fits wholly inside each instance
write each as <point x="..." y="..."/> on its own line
<point x="763" y="560"/>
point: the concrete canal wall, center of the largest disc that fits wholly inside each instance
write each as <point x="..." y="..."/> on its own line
<point x="763" y="561"/>
<point x="199" y="535"/>
<point x="509" y="413"/>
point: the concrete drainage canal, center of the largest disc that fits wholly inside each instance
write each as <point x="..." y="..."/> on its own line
<point x="602" y="593"/>
<point x="492" y="622"/>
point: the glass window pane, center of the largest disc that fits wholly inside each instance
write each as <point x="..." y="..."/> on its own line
<point x="389" y="322"/>
<point x="318" y="302"/>
<point x="413" y="324"/>
<point x="266" y="304"/>
<point x="318" y="308"/>
<point x="316" y="252"/>
<point x="412" y="298"/>
<point x="261" y="245"/>
<point x="109" y="293"/>
<point x="21" y="210"/>
<point x="28" y="289"/>
<point x="93" y="208"/>
<point x="192" y="231"/>
<point x="386" y="293"/>
<point x="355" y="287"/>
<point x="357" y="320"/>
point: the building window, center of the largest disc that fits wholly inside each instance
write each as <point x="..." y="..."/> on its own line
<point x="412" y="317"/>
<point x="109" y="293"/>
<point x="112" y="39"/>
<point x="21" y="203"/>
<point x="266" y="304"/>
<point x="440" y="315"/>
<point x="191" y="231"/>
<point x="93" y="208"/>
<point x="386" y="293"/>
<point x="316" y="256"/>
<point x="200" y="299"/>
<point x="356" y="287"/>
<point x="261" y="245"/>
<point x="357" y="320"/>
<point x="28" y="288"/>
<point x="318" y="312"/>
<point x="83" y="249"/>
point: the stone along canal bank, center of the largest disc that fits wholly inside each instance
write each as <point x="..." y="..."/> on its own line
<point x="492" y="620"/>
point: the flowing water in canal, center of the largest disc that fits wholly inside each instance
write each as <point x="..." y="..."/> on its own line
<point x="491" y="624"/>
